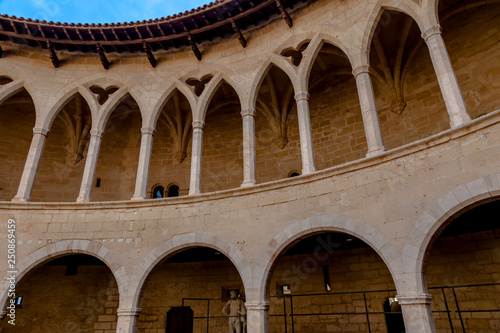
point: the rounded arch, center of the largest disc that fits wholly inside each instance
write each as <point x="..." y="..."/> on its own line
<point x="318" y="224"/>
<point x="432" y="219"/>
<point x="209" y="92"/>
<point x="311" y="54"/>
<point x="264" y="68"/>
<point x="409" y="8"/>
<point x="182" y="242"/>
<point x="58" y="249"/>
<point x="68" y="94"/>
<point x="165" y="97"/>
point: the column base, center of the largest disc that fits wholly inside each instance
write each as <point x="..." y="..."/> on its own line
<point x="248" y="183"/>
<point x="375" y="152"/>
<point x="139" y="198"/>
<point x="19" y="199"/>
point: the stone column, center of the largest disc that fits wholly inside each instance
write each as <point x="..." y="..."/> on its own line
<point x="141" y="180"/>
<point x="249" y="169"/>
<point x="257" y="316"/>
<point x="196" y="151"/>
<point x="306" y="147"/>
<point x="446" y="76"/>
<point x="31" y="165"/>
<point x="90" y="165"/>
<point x="373" y="133"/>
<point x="417" y="313"/>
<point x="127" y="320"/>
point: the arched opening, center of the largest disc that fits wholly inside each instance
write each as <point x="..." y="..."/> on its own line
<point x="72" y="293"/>
<point x="276" y="128"/>
<point x="408" y="96"/>
<point x="336" y="122"/>
<point x="17" y="119"/>
<point x="190" y="289"/>
<point x="471" y="36"/>
<point x="119" y="154"/>
<point x="171" y="154"/>
<point x="328" y="280"/>
<point x="222" y="158"/>
<point x="63" y="160"/>
<point x="462" y="270"/>
<point x="157" y="192"/>
<point x="173" y="190"/>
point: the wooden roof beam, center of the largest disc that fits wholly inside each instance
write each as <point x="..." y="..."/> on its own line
<point x="53" y="55"/>
<point x="149" y="53"/>
<point x="284" y="13"/>
<point x="238" y="33"/>
<point x="195" y="48"/>
<point x="102" y="57"/>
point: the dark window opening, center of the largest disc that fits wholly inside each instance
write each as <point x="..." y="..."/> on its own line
<point x="173" y="191"/>
<point x="158" y="192"/>
<point x="293" y="174"/>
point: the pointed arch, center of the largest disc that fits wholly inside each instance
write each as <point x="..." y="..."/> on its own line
<point x="65" y="247"/>
<point x="209" y="92"/>
<point x="165" y="97"/>
<point x="260" y="75"/>
<point x="183" y="242"/>
<point x="68" y="94"/>
<point x="318" y="224"/>
<point x="409" y="8"/>
<point x="107" y="108"/>
<point x="10" y="89"/>
<point x="311" y="53"/>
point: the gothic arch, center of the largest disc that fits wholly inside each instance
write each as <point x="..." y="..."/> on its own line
<point x="264" y="68"/>
<point x="317" y="224"/>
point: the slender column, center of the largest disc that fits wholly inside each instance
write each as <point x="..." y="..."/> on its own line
<point x="127" y="320"/>
<point x="257" y="316"/>
<point x="249" y="169"/>
<point x="31" y="165"/>
<point x="90" y="165"/>
<point x="417" y="313"/>
<point x="306" y="147"/>
<point x="2" y="316"/>
<point x="196" y="151"/>
<point x="373" y="133"/>
<point x="141" y="180"/>
<point x="446" y="76"/>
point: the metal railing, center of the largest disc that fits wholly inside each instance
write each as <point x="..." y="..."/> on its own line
<point x="289" y="315"/>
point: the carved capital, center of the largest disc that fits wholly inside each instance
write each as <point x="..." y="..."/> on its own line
<point x="40" y="130"/>
<point x="129" y="312"/>
<point x="198" y="124"/>
<point x="414" y="299"/>
<point x="96" y="133"/>
<point x="147" y="130"/>
<point x="303" y="95"/>
<point x="257" y="306"/>
<point x="248" y="112"/>
<point x="431" y="31"/>
<point x="361" y="69"/>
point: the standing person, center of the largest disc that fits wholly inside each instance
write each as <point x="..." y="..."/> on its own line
<point x="235" y="310"/>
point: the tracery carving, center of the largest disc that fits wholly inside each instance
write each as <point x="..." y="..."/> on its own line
<point x="103" y="93"/>
<point x="199" y="84"/>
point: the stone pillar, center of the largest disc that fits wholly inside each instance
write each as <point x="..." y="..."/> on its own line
<point x="373" y="133"/>
<point x="306" y="147"/>
<point x="2" y="316"/>
<point x="141" y="180"/>
<point x="257" y="316"/>
<point x="249" y="169"/>
<point x="90" y="165"/>
<point x="31" y="165"/>
<point x="127" y="320"/>
<point x="417" y="313"/>
<point x="196" y="151"/>
<point x="446" y="76"/>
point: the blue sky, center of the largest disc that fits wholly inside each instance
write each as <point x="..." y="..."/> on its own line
<point x="96" y="11"/>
